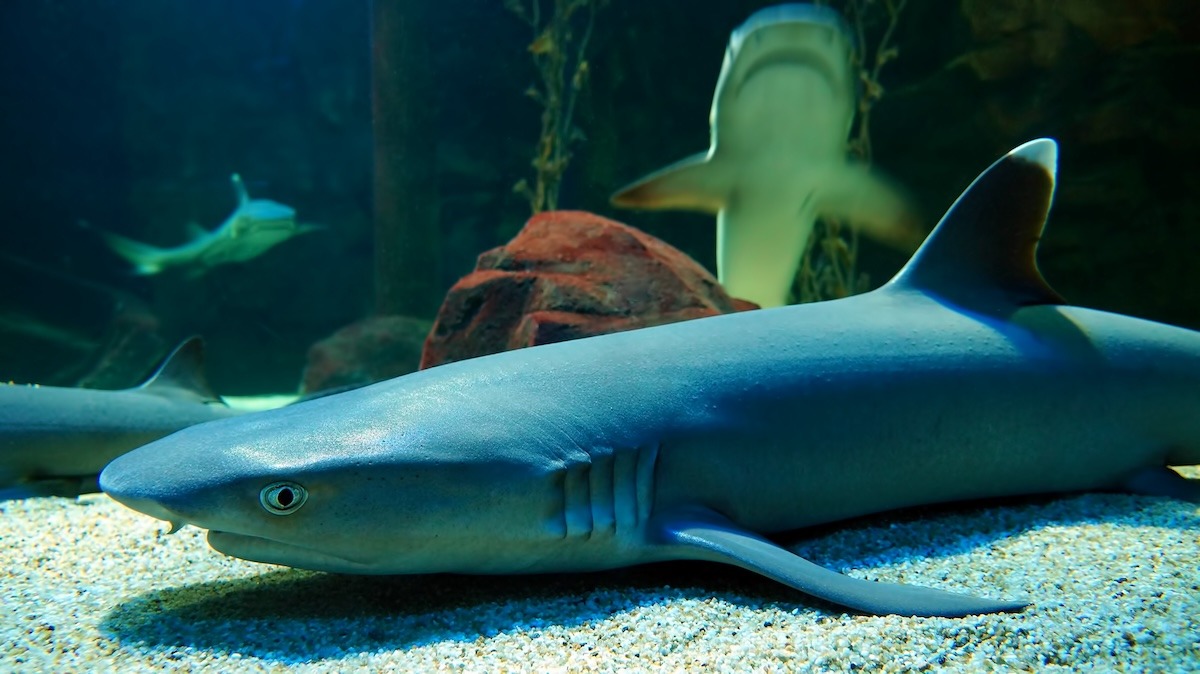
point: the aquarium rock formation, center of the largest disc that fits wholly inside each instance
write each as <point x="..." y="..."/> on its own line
<point x="370" y="350"/>
<point x="566" y="275"/>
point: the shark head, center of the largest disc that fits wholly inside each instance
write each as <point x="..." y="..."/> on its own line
<point x="254" y="228"/>
<point x="315" y="486"/>
<point x="258" y="216"/>
<point x="798" y="52"/>
<point x="264" y="218"/>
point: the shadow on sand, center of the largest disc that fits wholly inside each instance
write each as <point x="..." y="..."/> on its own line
<point x="298" y="616"/>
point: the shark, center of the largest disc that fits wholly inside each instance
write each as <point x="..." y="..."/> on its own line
<point x="254" y="227"/>
<point x="783" y="108"/>
<point x="54" y="441"/>
<point x="965" y="377"/>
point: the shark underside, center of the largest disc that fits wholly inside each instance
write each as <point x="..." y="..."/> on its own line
<point x="777" y="160"/>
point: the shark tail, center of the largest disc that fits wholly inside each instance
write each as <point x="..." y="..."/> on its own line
<point x="146" y="259"/>
<point x="695" y="183"/>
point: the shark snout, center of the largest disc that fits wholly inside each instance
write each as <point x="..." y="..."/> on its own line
<point x="127" y="484"/>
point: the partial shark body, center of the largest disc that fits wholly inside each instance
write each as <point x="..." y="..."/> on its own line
<point x="256" y="226"/>
<point x="54" y="441"/>
<point x="783" y="107"/>
<point x="965" y="377"/>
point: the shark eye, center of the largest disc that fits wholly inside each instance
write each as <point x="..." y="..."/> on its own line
<point x="282" y="498"/>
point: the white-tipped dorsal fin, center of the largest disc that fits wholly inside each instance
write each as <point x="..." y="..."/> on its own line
<point x="182" y="374"/>
<point x="195" y="230"/>
<point x="984" y="250"/>
<point x="239" y="188"/>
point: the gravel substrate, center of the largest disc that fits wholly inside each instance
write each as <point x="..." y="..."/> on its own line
<point x="93" y="587"/>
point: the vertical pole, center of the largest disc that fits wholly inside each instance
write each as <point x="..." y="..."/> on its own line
<point x="407" y="242"/>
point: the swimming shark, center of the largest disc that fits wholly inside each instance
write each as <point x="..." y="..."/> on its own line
<point x="781" y="114"/>
<point x="965" y="377"/>
<point x="254" y="227"/>
<point x="54" y="440"/>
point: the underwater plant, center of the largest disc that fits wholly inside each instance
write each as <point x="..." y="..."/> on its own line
<point x="828" y="269"/>
<point x="555" y="52"/>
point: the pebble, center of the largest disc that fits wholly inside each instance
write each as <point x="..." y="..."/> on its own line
<point x="92" y="586"/>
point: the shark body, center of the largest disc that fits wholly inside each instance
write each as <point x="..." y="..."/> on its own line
<point x="54" y="441"/>
<point x="254" y="227"/>
<point x="965" y="377"/>
<point x="781" y="114"/>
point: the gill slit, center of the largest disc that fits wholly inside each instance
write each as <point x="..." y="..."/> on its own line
<point x="609" y="492"/>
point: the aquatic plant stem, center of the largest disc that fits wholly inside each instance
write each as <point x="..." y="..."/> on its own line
<point x="829" y="265"/>
<point x="549" y="48"/>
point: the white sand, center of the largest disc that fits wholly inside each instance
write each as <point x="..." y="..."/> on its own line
<point x="259" y="403"/>
<point x="91" y="586"/>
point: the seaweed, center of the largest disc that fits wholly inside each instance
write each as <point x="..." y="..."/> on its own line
<point x="555" y="52"/>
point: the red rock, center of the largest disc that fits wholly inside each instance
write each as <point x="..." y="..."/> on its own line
<point x="566" y="275"/>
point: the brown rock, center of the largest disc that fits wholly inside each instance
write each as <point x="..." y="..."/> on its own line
<point x="566" y="275"/>
<point x="371" y="350"/>
<point x="1015" y="35"/>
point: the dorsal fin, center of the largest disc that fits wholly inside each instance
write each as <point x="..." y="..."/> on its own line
<point x="239" y="188"/>
<point x="195" y="231"/>
<point x="182" y="374"/>
<point x="985" y="247"/>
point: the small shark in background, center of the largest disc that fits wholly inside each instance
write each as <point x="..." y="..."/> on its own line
<point x="784" y="104"/>
<point x="965" y="377"/>
<point x="54" y="441"/>
<point x="256" y="226"/>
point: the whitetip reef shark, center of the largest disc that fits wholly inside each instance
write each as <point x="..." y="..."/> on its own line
<point x="55" y="440"/>
<point x="965" y="377"/>
<point x="784" y="104"/>
<point x="254" y="227"/>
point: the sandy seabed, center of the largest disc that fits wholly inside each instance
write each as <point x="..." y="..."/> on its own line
<point x="90" y="586"/>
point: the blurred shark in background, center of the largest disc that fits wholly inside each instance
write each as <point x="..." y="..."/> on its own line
<point x="55" y="440"/>
<point x="256" y="226"/>
<point x="783" y="108"/>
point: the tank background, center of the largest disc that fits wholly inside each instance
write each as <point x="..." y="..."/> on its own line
<point x="131" y="114"/>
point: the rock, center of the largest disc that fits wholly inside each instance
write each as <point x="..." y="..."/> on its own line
<point x="371" y="350"/>
<point x="1014" y="35"/>
<point x="566" y="275"/>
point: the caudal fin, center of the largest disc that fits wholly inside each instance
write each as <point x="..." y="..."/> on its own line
<point x="146" y="259"/>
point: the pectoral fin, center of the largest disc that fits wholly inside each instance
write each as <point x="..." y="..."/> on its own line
<point x="712" y="537"/>
<point x="864" y="198"/>
<point x="695" y="183"/>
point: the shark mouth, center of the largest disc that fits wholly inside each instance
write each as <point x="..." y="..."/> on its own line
<point x="805" y="58"/>
<point x="270" y="551"/>
<point x="270" y="225"/>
